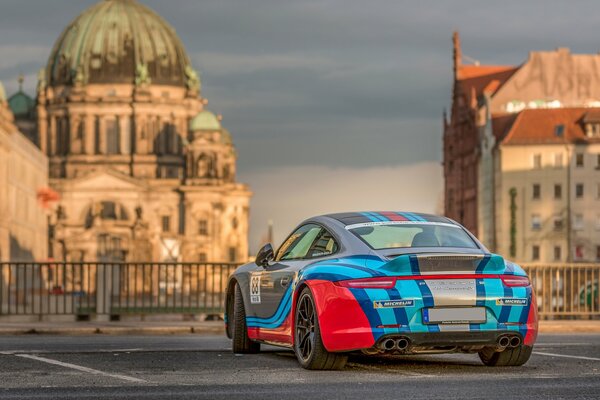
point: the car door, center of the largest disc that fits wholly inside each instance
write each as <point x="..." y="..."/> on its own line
<point x="303" y="246"/>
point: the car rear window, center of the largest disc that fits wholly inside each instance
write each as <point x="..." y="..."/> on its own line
<point x="406" y="235"/>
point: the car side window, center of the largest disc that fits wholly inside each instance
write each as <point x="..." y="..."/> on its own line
<point x="296" y="246"/>
<point x="323" y="245"/>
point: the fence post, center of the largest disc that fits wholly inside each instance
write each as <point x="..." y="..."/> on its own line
<point x="103" y="292"/>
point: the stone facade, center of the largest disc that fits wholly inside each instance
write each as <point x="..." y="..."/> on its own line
<point x="23" y="172"/>
<point x="143" y="170"/>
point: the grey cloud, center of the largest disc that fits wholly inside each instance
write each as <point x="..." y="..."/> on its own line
<point x="331" y="82"/>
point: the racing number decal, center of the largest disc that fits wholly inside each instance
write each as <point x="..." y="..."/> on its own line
<point x="255" y="289"/>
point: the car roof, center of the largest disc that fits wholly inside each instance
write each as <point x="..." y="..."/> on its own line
<point x="351" y="218"/>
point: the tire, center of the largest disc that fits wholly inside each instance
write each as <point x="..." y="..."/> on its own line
<point x="308" y="346"/>
<point x="241" y="343"/>
<point x="514" y="357"/>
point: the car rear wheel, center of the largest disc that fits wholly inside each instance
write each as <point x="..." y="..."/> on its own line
<point x="507" y="358"/>
<point x="241" y="343"/>
<point x="308" y="346"/>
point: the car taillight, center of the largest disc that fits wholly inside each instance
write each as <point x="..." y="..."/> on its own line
<point x="512" y="280"/>
<point x="369" y="283"/>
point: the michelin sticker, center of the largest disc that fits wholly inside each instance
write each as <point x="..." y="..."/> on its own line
<point x="393" y="303"/>
<point x="255" y="288"/>
<point x="511" y="302"/>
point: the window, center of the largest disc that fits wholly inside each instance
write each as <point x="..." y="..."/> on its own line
<point x="598" y="191"/>
<point x="396" y="236"/>
<point x="166" y="223"/>
<point x="598" y="222"/>
<point x="232" y="254"/>
<point x="558" y="159"/>
<point x="579" y="160"/>
<point x="536" y="222"/>
<point x="578" y="222"/>
<point x="323" y="245"/>
<point x="557" y="253"/>
<point x="597" y="253"/>
<point x="234" y="223"/>
<point x="112" y="136"/>
<point x="109" y="210"/>
<point x="559" y="130"/>
<point x="598" y="161"/>
<point x="558" y="191"/>
<point x="579" y="190"/>
<point x="306" y="242"/>
<point x="203" y="227"/>
<point x="558" y="223"/>
<point x="298" y="243"/>
<point x="535" y="252"/>
<point x="202" y="258"/>
<point x="537" y="160"/>
<point x="579" y="252"/>
<point x="536" y="191"/>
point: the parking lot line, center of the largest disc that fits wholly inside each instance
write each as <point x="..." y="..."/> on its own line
<point x="81" y="368"/>
<point x="566" y="356"/>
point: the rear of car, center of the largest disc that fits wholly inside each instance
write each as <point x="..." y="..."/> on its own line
<point x="428" y="287"/>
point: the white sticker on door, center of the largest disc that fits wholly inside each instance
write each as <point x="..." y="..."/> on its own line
<point x="255" y="288"/>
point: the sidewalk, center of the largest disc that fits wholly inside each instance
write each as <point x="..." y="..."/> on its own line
<point x="113" y="328"/>
<point x="204" y="327"/>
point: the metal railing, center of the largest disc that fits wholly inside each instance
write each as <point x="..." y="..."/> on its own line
<point x="566" y="290"/>
<point x="112" y="288"/>
<point x="563" y="290"/>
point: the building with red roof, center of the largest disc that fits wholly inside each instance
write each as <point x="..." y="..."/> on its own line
<point x="522" y="155"/>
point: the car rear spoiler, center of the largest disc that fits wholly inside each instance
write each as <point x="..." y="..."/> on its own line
<point x="436" y="263"/>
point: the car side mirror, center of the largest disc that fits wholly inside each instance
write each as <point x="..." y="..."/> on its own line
<point x="265" y="255"/>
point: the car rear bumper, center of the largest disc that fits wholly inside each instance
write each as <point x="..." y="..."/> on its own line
<point x="348" y="321"/>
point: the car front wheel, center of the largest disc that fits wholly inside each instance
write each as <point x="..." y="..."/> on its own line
<point x="308" y="346"/>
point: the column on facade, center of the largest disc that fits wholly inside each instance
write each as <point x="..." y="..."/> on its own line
<point x="52" y="144"/>
<point x="89" y="140"/>
<point x="102" y="138"/>
<point x="76" y="141"/>
<point x="125" y="134"/>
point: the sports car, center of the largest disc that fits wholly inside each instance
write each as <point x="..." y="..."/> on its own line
<point x="382" y="283"/>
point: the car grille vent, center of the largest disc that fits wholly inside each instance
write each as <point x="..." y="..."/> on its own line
<point x="448" y="263"/>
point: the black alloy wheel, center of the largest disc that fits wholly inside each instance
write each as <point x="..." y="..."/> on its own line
<point x="308" y="346"/>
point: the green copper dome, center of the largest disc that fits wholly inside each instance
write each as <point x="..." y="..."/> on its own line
<point x="119" y="41"/>
<point x="21" y="105"/>
<point x="205" y="120"/>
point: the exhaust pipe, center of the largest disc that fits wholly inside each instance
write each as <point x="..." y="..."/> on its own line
<point x="388" y="344"/>
<point x="402" y="344"/>
<point x="503" y="342"/>
<point x="515" y="341"/>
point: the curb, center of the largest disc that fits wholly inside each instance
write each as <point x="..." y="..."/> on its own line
<point x="112" y="330"/>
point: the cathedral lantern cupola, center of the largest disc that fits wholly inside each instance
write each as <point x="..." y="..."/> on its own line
<point x="210" y="153"/>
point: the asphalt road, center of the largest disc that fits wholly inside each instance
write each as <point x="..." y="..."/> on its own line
<point x="193" y="366"/>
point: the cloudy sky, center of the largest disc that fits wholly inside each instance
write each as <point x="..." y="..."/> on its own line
<point x="333" y="105"/>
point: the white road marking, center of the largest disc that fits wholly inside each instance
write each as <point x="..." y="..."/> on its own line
<point x="566" y="356"/>
<point x="81" y="368"/>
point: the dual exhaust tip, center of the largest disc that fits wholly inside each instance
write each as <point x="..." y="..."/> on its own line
<point x="400" y="344"/>
<point x="505" y="341"/>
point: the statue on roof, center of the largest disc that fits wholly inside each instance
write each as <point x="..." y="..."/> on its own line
<point x="41" y="85"/>
<point x="2" y="93"/>
<point x="142" y="76"/>
<point x="78" y="76"/>
<point x="193" y="79"/>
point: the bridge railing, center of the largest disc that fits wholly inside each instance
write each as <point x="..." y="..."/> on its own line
<point x="566" y="290"/>
<point x="55" y="288"/>
<point x="86" y="288"/>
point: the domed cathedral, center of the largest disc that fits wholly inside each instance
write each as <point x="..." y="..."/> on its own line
<point x="144" y="171"/>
